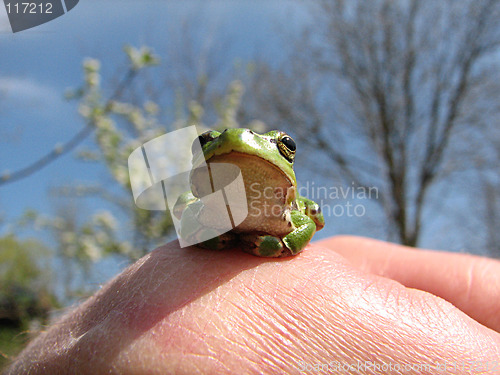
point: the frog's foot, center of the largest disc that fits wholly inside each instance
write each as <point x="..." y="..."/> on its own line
<point x="223" y="241"/>
<point x="303" y="231"/>
<point x="264" y="245"/>
<point x="313" y="210"/>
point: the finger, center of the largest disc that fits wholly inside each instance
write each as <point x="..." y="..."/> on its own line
<point x="191" y="311"/>
<point x="471" y="283"/>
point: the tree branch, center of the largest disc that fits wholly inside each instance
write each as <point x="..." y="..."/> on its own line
<point x="77" y="139"/>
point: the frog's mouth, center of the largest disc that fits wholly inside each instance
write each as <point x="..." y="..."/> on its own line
<point x="260" y="177"/>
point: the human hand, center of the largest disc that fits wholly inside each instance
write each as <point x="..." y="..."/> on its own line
<point x="197" y="311"/>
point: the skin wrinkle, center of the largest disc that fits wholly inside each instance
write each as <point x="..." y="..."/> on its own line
<point x="274" y="323"/>
<point x="280" y="328"/>
<point x="295" y="329"/>
<point x="394" y="300"/>
<point x="231" y="353"/>
<point x="419" y="322"/>
<point x="247" y="345"/>
<point x="174" y="357"/>
<point x="354" y="338"/>
<point x="259" y="354"/>
<point x="277" y="286"/>
<point x="217" y="298"/>
<point x="301" y="285"/>
<point x="324" y="331"/>
<point x="389" y="346"/>
<point x="202" y="336"/>
<point x="340" y="337"/>
<point x="259" y="328"/>
<point x="242" y="346"/>
<point x="211" y="357"/>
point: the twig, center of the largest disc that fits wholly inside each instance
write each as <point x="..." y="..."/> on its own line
<point x="78" y="138"/>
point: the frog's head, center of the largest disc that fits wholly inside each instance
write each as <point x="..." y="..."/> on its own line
<point x="275" y="147"/>
<point x="264" y="158"/>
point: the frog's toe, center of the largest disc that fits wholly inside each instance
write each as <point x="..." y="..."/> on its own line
<point x="264" y="246"/>
<point x="222" y="241"/>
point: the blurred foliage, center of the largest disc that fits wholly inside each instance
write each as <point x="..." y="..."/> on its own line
<point x="12" y="341"/>
<point x="26" y="292"/>
<point x="26" y="281"/>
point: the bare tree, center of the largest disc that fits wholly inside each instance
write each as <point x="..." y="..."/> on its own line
<point x="391" y="92"/>
<point x="486" y="201"/>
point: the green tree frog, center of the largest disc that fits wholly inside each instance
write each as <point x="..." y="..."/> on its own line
<point x="279" y="222"/>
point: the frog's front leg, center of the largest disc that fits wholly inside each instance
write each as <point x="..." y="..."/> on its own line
<point x="304" y="229"/>
<point x="313" y="210"/>
<point x="192" y="231"/>
<point x="263" y="245"/>
<point x="292" y="244"/>
<point x="183" y="201"/>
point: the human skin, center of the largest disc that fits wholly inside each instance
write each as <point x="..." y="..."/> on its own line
<point x="344" y="300"/>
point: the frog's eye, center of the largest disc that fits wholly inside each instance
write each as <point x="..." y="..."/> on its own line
<point x="289" y="143"/>
<point x="204" y="138"/>
<point x="287" y="147"/>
